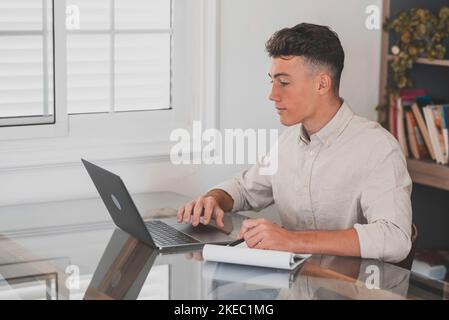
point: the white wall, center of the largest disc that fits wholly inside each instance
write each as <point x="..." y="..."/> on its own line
<point x="244" y="83"/>
<point x="244" y="86"/>
<point x="246" y="25"/>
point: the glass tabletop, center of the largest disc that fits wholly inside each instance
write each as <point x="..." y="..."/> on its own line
<point x="95" y="260"/>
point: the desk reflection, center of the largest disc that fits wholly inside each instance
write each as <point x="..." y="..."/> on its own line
<point x="92" y="260"/>
<point x="320" y="277"/>
<point x="122" y="270"/>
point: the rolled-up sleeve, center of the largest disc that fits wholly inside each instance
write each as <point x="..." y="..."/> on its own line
<point x="249" y="190"/>
<point x="386" y="205"/>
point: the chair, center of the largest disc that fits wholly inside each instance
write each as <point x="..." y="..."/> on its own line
<point x="408" y="261"/>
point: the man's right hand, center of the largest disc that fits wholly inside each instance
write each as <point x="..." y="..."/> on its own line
<point x="206" y="206"/>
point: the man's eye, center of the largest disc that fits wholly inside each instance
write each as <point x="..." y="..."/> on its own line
<point x="284" y="83"/>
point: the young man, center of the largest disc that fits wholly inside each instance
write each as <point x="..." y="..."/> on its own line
<point x="342" y="186"/>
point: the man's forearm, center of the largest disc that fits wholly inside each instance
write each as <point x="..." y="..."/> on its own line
<point x="223" y="199"/>
<point x="338" y="242"/>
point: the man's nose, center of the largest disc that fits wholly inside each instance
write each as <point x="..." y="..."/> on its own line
<point x="274" y="96"/>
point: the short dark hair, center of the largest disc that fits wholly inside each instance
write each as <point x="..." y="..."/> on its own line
<point x="319" y="45"/>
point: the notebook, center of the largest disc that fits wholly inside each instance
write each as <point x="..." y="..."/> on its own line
<point x="243" y="255"/>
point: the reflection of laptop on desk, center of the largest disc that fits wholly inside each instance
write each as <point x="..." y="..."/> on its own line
<point x="162" y="233"/>
<point x="123" y="269"/>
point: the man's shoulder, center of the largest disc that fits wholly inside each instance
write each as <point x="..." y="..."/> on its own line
<point x="371" y="131"/>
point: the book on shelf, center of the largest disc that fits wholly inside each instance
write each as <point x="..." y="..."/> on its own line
<point x="423" y="131"/>
<point x="401" y="128"/>
<point x="409" y="96"/>
<point x="438" y="134"/>
<point x="392" y="116"/>
<point x="399" y="108"/>
<point x="416" y="142"/>
<point x="420" y="126"/>
<point x="412" y="140"/>
<point x="445" y="122"/>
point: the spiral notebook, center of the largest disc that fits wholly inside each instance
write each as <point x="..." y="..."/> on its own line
<point x="243" y="255"/>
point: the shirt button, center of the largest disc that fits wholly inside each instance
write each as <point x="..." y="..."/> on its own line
<point x="312" y="152"/>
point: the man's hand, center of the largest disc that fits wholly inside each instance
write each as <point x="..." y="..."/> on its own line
<point x="206" y="206"/>
<point x="263" y="234"/>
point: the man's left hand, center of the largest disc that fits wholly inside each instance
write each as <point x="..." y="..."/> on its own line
<point x="263" y="234"/>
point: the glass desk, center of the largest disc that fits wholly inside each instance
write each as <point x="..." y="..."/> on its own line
<point x="95" y="260"/>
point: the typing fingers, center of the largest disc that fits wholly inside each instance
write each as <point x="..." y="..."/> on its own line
<point x="180" y="214"/>
<point x="187" y="211"/>
<point x="209" y="207"/>
<point x="197" y="211"/>
<point x="219" y="216"/>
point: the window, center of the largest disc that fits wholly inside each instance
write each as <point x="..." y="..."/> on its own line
<point x="26" y="62"/>
<point x="126" y="73"/>
<point x="118" y="57"/>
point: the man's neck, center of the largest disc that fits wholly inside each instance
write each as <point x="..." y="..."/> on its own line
<point x="324" y="114"/>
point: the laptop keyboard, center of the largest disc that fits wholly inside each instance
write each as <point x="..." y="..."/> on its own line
<point x="165" y="235"/>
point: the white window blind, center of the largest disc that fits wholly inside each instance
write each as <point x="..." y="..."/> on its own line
<point x="119" y="59"/>
<point x="26" y="62"/>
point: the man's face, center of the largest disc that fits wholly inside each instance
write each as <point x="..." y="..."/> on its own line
<point x="293" y="89"/>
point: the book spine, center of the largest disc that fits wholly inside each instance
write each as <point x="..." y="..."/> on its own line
<point x="422" y="149"/>
<point x="428" y="114"/>
<point x="401" y="130"/>
<point x="437" y="117"/>
<point x="445" y="119"/>
<point x="411" y="135"/>
<point x="424" y="130"/>
<point x="393" y="117"/>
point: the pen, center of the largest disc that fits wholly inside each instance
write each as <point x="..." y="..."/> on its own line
<point x="236" y="242"/>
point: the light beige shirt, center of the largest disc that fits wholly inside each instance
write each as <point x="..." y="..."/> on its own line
<point x="349" y="174"/>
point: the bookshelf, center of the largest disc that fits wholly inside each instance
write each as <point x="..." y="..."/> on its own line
<point x="425" y="172"/>
<point x="430" y="197"/>
<point x="435" y="62"/>
<point x="429" y="173"/>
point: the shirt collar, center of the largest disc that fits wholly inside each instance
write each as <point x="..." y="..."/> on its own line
<point x="332" y="129"/>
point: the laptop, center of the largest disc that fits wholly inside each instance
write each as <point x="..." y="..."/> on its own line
<point x="163" y="234"/>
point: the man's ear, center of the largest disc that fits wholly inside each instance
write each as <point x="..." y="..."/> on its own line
<point x="324" y="83"/>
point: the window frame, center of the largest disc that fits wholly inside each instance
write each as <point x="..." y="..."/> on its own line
<point x="113" y="32"/>
<point x="59" y="126"/>
<point x="129" y="134"/>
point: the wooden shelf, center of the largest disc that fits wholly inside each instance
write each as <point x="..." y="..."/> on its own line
<point x="429" y="173"/>
<point x="435" y="62"/>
